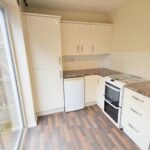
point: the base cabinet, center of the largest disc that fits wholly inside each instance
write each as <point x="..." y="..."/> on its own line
<point x="135" y="118"/>
<point x="100" y="92"/>
<point x="94" y="90"/>
<point x="90" y="89"/>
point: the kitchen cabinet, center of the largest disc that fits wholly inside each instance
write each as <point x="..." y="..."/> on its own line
<point x="135" y="118"/>
<point x="48" y="90"/>
<point x="44" y="51"/>
<point x="91" y="84"/>
<point x="100" y="92"/>
<point x="44" y="41"/>
<point x="70" y="39"/>
<point x="101" y="38"/>
<point x="85" y="38"/>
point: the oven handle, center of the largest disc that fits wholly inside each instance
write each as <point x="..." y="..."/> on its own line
<point x="111" y="104"/>
<point x="112" y="87"/>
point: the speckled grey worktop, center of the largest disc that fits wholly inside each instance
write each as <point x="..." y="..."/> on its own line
<point x="84" y="72"/>
<point x="142" y="88"/>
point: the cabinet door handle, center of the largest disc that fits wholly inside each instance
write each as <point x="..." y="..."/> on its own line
<point x="59" y="60"/>
<point x="78" y="48"/>
<point x="133" y="110"/>
<point x="133" y="128"/>
<point x="81" y="48"/>
<point x="60" y="72"/>
<point x="98" y="81"/>
<point x="92" y="48"/>
<point x="137" y="99"/>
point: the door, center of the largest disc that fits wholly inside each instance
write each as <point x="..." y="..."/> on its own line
<point x="101" y="38"/>
<point x="112" y="94"/>
<point x="48" y="90"/>
<point x="11" y="117"/>
<point x="43" y="37"/>
<point x="90" y="89"/>
<point x="70" y="38"/>
<point x="85" y="39"/>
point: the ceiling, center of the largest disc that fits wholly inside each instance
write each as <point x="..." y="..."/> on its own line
<point x="98" y="6"/>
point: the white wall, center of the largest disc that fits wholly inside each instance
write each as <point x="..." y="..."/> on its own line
<point x="15" y="23"/>
<point x="72" y="15"/>
<point x="131" y="39"/>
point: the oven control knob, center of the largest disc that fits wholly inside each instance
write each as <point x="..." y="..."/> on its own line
<point x="112" y="80"/>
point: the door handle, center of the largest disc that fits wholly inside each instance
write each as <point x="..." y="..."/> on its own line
<point x="92" y="48"/>
<point x="133" y="110"/>
<point x="59" y="60"/>
<point x="137" y="99"/>
<point x="133" y="128"/>
<point x="81" y="48"/>
<point x="78" y="49"/>
<point x="60" y="74"/>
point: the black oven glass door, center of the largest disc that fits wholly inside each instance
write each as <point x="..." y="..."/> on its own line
<point x="111" y="111"/>
<point x="112" y="94"/>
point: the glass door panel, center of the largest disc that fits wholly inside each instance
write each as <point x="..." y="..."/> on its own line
<point x="11" y="123"/>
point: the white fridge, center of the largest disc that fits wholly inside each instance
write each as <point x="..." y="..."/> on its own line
<point x="74" y="94"/>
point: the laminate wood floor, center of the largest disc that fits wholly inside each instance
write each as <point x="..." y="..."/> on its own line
<point x="87" y="129"/>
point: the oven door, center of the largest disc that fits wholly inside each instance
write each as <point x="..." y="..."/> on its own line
<point x="111" y="111"/>
<point x="112" y="94"/>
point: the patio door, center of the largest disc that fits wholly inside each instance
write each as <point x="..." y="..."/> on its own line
<point x="11" y="118"/>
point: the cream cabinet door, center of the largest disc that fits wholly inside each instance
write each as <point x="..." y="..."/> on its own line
<point x="101" y="38"/>
<point x="44" y="41"/>
<point x="70" y="38"/>
<point x="48" y="90"/>
<point x="85" y="39"/>
<point x="100" y="92"/>
<point x="90" y="89"/>
<point x="44" y="47"/>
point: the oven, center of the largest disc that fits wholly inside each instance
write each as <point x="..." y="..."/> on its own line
<point x="112" y="94"/>
<point x="112" y="102"/>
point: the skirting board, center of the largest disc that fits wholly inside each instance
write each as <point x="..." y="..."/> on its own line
<point x="90" y="103"/>
<point x="50" y="112"/>
<point x="32" y="125"/>
<point x="98" y="104"/>
<point x="60" y="110"/>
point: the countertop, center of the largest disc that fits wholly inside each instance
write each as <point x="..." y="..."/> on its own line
<point x="103" y="72"/>
<point x="142" y="88"/>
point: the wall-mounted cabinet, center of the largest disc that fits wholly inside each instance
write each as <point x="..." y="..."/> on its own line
<point x="85" y="38"/>
<point x="101" y="38"/>
<point x="70" y="38"/>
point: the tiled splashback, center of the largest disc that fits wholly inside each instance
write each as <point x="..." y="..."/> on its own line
<point x="136" y="63"/>
<point x="82" y="62"/>
<point x="130" y="51"/>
